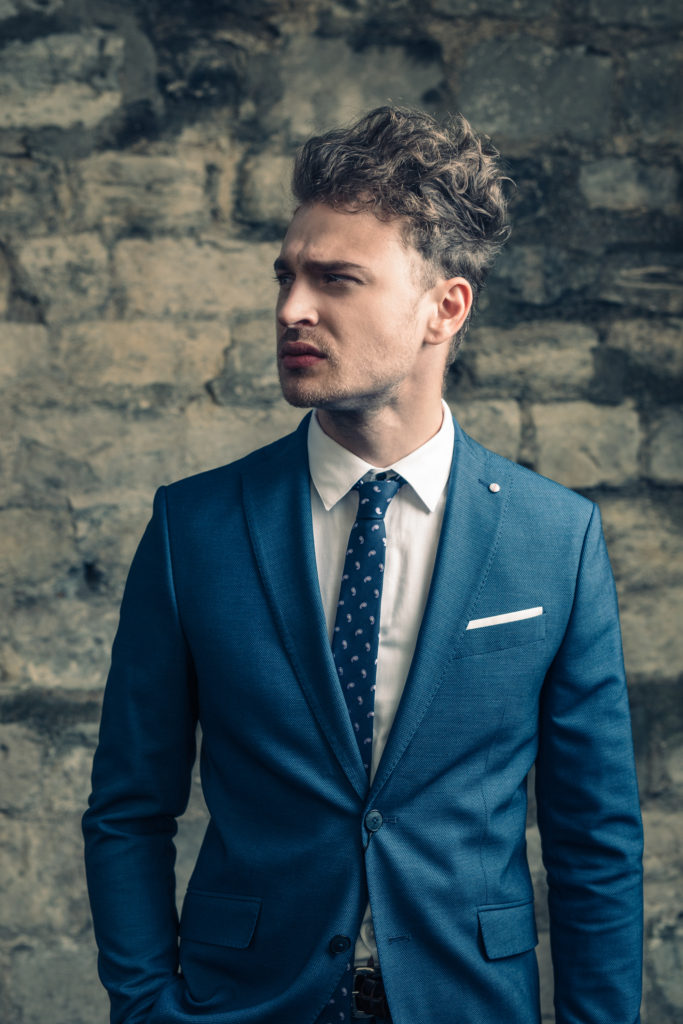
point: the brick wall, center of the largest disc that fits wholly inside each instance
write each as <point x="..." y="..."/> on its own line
<point x="144" y="155"/>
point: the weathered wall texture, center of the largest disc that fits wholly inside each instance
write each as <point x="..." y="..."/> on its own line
<point x="144" y="154"/>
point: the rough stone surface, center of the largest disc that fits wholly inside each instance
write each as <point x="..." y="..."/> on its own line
<point x="183" y="277"/>
<point x="518" y="88"/>
<point x="68" y="275"/>
<point x="651" y="346"/>
<point x="634" y="12"/>
<point x="666" y="447"/>
<point x="584" y="445"/>
<point x="495" y="424"/>
<point x="60" y="81"/>
<point x="146" y="193"/>
<point x="625" y="184"/>
<point x="544" y="360"/>
<point x="144" y="158"/>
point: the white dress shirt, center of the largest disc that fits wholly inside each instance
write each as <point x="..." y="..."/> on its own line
<point x="413" y="525"/>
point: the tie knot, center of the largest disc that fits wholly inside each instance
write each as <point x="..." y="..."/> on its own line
<point x="375" y="496"/>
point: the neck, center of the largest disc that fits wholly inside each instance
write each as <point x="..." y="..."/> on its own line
<point x="381" y="436"/>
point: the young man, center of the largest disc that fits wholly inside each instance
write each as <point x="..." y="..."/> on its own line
<point x="381" y="626"/>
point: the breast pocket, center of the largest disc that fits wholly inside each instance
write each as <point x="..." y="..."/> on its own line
<point x="502" y="636"/>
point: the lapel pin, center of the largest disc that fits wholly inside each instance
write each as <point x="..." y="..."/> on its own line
<point x="494" y="488"/>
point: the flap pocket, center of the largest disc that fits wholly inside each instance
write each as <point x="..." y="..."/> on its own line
<point x="219" y="920"/>
<point x="507" y="930"/>
<point x="503" y="635"/>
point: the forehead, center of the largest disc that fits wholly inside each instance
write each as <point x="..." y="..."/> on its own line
<point x="320" y="233"/>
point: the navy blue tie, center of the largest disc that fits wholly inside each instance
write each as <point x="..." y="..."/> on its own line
<point x="355" y="643"/>
<point x="355" y="640"/>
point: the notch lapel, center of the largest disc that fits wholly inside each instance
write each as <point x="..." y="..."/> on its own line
<point x="276" y="489"/>
<point x="469" y="534"/>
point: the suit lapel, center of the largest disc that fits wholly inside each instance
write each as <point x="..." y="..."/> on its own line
<point x="276" y="488"/>
<point x="469" y="534"/>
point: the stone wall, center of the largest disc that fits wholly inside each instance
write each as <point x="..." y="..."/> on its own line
<point x="144" y="154"/>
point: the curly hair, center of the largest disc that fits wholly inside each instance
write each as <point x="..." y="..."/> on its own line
<point x="443" y="180"/>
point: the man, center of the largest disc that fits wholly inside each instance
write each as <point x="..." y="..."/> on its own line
<point x="367" y="735"/>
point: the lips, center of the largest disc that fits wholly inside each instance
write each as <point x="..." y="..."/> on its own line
<point x="296" y="355"/>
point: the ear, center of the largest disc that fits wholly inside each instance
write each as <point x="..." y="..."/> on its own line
<point x="452" y="301"/>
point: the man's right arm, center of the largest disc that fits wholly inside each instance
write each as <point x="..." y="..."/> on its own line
<point x="141" y="784"/>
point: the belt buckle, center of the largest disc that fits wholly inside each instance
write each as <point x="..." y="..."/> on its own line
<point x="372" y="975"/>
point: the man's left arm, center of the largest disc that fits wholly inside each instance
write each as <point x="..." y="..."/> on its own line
<point x="588" y="810"/>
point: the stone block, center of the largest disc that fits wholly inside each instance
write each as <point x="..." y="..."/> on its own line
<point x="144" y="191"/>
<point x="652" y="634"/>
<point x="59" y="641"/>
<point x="266" y="197"/>
<point x="34" y="545"/>
<point x="59" y="973"/>
<point x="188" y="278"/>
<point x="654" y="284"/>
<point x="644" y="540"/>
<point x="219" y="434"/>
<point x="518" y="89"/>
<point x="652" y="97"/>
<point x="626" y="185"/>
<point x="250" y="372"/>
<point x="29" y="190"/>
<point x="45" y="475"/>
<point x="302" y="94"/>
<point x="115" y="357"/>
<point x="651" y="345"/>
<point x="25" y="350"/>
<point x="61" y="81"/>
<point x="540" y="359"/>
<point x="108" y="527"/>
<point x="584" y="445"/>
<point x="514" y="9"/>
<point x="495" y="424"/>
<point x="653" y="14"/>
<point x="67" y="274"/>
<point x="34" y="8"/>
<point x="665" y="447"/>
<point x="539" y="274"/>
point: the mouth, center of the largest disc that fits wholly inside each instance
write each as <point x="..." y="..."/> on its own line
<point x="296" y="355"/>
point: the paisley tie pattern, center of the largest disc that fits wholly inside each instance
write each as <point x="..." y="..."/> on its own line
<point x="355" y="640"/>
<point x="355" y="644"/>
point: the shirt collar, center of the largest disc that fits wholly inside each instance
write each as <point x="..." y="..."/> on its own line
<point x="334" y="469"/>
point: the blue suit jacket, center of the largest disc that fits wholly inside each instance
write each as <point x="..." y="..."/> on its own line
<point x="222" y="621"/>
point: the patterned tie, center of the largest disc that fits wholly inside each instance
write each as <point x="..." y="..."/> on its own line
<point x="355" y="640"/>
<point x="355" y="643"/>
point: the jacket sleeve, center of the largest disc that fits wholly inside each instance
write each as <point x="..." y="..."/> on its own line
<point x="588" y="810"/>
<point x="141" y="784"/>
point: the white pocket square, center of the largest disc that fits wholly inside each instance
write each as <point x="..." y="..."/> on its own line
<point x="496" y="620"/>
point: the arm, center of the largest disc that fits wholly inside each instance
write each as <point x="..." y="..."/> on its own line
<point x="588" y="810"/>
<point x="141" y="783"/>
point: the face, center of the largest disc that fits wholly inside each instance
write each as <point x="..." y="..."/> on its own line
<point x="351" y="314"/>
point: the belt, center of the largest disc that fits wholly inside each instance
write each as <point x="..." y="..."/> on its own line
<point x="369" y="1001"/>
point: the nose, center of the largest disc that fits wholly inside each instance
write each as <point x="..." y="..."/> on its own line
<point x="296" y="305"/>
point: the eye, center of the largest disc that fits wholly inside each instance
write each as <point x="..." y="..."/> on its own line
<point x="330" y="278"/>
<point x="283" y="279"/>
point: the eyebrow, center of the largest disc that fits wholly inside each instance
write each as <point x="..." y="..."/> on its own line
<point x="323" y="266"/>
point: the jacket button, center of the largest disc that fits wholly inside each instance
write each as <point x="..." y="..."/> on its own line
<point x="339" y="944"/>
<point x="373" y="820"/>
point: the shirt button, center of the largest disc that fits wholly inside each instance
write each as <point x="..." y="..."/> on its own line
<point x="339" y="944"/>
<point x="373" y="821"/>
<point x="494" y="488"/>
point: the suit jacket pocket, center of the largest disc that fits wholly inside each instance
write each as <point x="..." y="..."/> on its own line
<point x="508" y="929"/>
<point x="219" y="919"/>
<point x="502" y="636"/>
